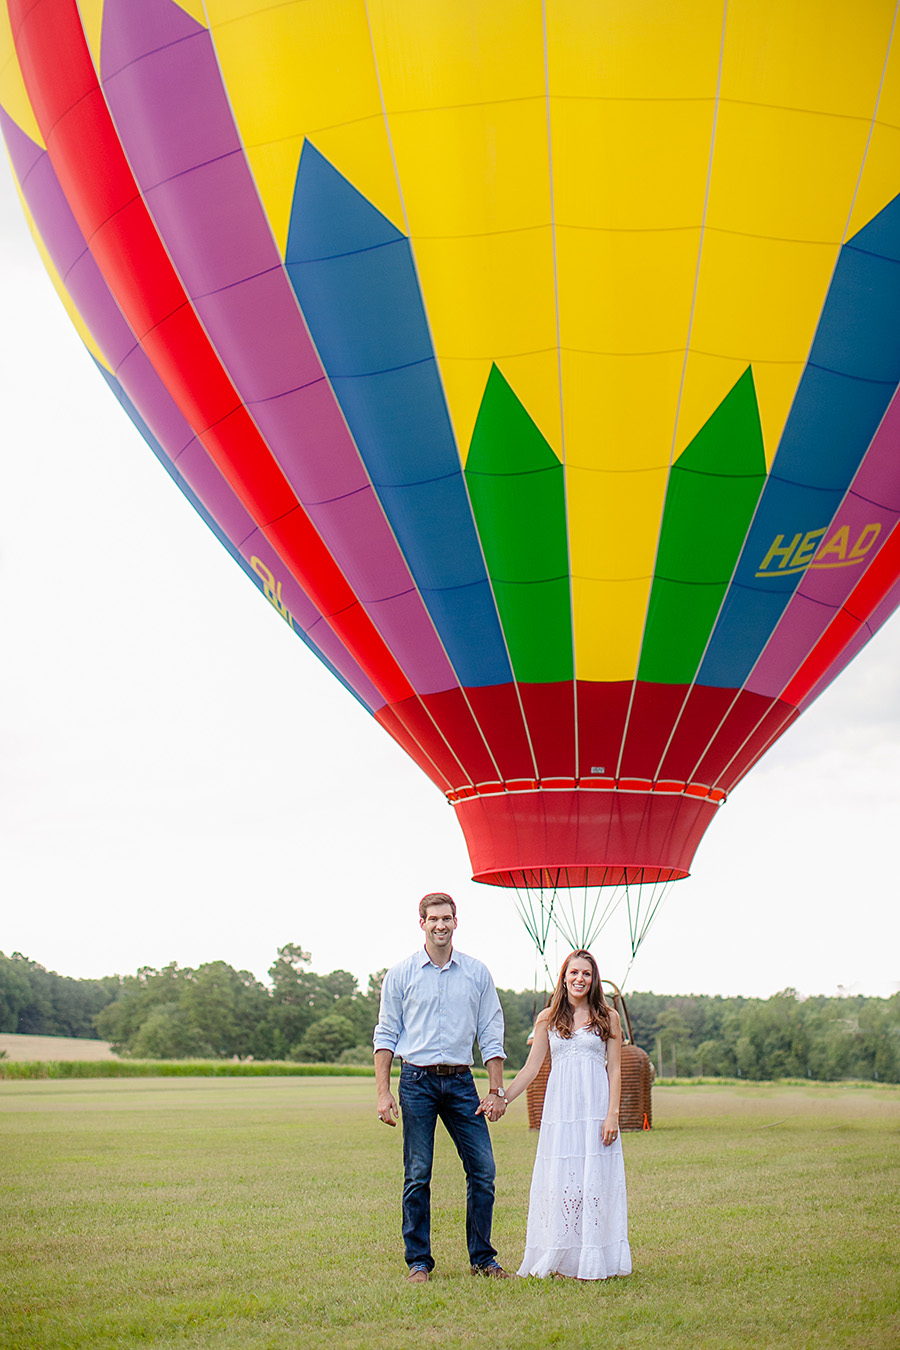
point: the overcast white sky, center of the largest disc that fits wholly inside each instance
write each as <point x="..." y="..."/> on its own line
<point x="181" y="780"/>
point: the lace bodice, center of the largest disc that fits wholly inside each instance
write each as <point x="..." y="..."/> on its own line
<point x="582" y="1043"/>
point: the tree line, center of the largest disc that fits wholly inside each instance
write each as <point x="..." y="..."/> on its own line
<point x="215" y="1012"/>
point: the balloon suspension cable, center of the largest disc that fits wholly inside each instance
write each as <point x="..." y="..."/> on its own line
<point x="638" y="928"/>
<point x="579" y="913"/>
<point x="576" y="913"/>
<point x="538" y="921"/>
<point x="584" y="919"/>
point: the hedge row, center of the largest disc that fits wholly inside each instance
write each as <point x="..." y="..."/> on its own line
<point x="184" y="1068"/>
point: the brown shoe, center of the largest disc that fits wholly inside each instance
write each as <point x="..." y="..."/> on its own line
<point x="418" y="1275"/>
<point x="493" y="1271"/>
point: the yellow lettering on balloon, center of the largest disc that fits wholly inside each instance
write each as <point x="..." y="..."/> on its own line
<point x="866" y="540"/>
<point x="837" y="552"/>
<point x="805" y="552"/>
<point x="271" y="589"/>
<point x="838" y="543"/>
<point x="779" y="550"/>
<point x="802" y="551"/>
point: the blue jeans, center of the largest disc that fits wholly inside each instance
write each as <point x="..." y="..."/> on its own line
<point x="424" y="1099"/>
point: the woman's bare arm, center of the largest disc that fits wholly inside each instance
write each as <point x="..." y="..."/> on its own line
<point x="610" y="1127"/>
<point x="536" y="1056"/>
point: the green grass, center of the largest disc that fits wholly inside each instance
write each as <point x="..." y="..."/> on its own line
<point x="264" y="1212"/>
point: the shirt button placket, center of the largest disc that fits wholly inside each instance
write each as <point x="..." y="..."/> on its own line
<point x="441" y="1013"/>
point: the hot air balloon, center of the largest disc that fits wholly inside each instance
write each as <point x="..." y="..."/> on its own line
<point x="537" y="361"/>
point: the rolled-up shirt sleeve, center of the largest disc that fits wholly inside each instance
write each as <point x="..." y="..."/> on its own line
<point x="390" y="1015"/>
<point x="490" y="1022"/>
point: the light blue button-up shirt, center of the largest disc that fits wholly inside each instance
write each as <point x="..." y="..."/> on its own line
<point x="431" y="1014"/>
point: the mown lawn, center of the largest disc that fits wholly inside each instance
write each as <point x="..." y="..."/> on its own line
<point x="231" y="1213"/>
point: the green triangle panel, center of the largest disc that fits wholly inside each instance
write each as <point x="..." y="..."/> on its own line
<point x="713" y="490"/>
<point x="517" y="490"/>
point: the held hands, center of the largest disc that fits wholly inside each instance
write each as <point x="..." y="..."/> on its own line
<point x="492" y="1108"/>
<point x="387" y="1110"/>
<point x="610" y="1130"/>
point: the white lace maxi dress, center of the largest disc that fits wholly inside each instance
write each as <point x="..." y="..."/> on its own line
<point x="577" y="1213"/>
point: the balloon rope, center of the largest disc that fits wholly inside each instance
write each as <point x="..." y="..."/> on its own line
<point x="609" y="909"/>
<point x="655" y="902"/>
<point x="637" y="930"/>
<point x="529" y="918"/>
<point x="634" y="916"/>
<point x="537" y="931"/>
<point x="549" y="920"/>
<point x="578" y="921"/>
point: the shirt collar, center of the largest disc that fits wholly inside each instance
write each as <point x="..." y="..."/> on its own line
<point x="425" y="960"/>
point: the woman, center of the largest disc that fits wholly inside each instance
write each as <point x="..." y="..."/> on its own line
<point x="577" y="1213"/>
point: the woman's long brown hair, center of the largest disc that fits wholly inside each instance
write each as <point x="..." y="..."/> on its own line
<point x="598" y="1009"/>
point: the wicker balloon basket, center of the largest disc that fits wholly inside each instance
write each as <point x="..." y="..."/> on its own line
<point x="636" y="1106"/>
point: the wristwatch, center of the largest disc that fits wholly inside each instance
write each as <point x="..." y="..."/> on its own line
<point x="498" y="1092"/>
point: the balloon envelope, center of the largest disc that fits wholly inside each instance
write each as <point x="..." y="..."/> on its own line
<point x="537" y="361"/>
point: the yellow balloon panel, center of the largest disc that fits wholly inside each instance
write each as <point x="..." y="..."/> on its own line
<point x="305" y="69"/>
<point x="630" y="165"/>
<point x="820" y="55"/>
<point x="608" y="618"/>
<point x="878" y="183"/>
<point x="744" y="280"/>
<point x="464" y="380"/>
<point x="91" y="12"/>
<point x="464" y="92"/>
<point x="196" y="9"/>
<point x="614" y="526"/>
<point x="474" y="170"/>
<point x="535" y="378"/>
<point x="734" y="319"/>
<point x="626" y="291"/>
<point x="646" y="50"/>
<point x="610" y="421"/>
<point x="784" y="173"/>
<point x="492" y="297"/>
<point x="432" y="54"/>
<point x="13" y="98"/>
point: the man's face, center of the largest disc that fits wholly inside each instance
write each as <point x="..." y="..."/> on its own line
<point x="438" y="925"/>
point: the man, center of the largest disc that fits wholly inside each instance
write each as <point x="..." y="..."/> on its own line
<point x="433" y="1006"/>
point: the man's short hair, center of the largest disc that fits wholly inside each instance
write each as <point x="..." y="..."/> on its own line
<point x="435" y="898"/>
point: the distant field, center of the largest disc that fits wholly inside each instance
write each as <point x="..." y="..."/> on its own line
<point x="53" y="1047"/>
<point x="263" y="1214"/>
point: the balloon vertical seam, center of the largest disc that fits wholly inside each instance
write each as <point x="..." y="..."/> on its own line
<point x="687" y="348"/>
<point x="409" y="235"/>
<point x="562" y="413"/>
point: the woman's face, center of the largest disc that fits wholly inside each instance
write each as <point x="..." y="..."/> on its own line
<point x="579" y="976"/>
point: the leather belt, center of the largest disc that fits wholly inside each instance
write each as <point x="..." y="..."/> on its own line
<point x="443" y="1070"/>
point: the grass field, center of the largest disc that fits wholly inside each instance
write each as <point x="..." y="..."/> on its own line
<point x="265" y="1213"/>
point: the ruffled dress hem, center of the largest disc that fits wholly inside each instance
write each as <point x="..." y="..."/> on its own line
<point x="577" y="1263"/>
